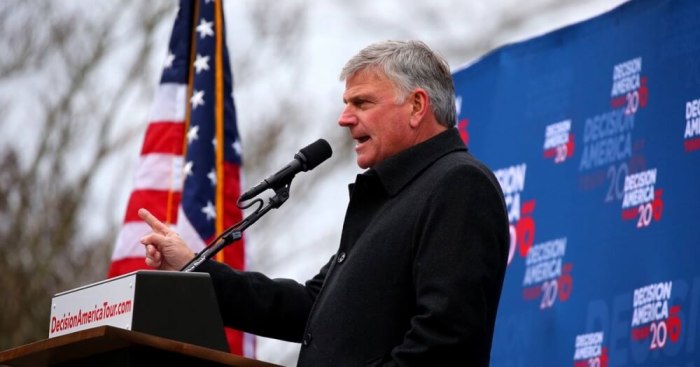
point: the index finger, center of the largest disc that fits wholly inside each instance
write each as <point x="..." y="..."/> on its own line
<point x="151" y="220"/>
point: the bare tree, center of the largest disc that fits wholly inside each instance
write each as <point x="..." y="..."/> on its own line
<point x="65" y="95"/>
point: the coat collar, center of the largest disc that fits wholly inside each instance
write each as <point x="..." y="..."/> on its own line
<point x="397" y="171"/>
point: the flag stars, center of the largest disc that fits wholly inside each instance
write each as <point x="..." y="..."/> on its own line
<point x="205" y="28"/>
<point x="193" y="134"/>
<point x="169" y="58"/>
<point x="212" y="177"/>
<point x="187" y="169"/>
<point x="209" y="210"/>
<point x="197" y="98"/>
<point x="201" y="63"/>
<point x="236" y="145"/>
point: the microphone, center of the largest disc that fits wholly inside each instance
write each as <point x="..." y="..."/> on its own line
<point x="306" y="159"/>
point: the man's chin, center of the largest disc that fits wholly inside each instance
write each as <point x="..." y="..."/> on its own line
<point x="363" y="163"/>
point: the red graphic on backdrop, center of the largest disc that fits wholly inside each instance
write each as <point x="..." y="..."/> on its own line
<point x="525" y="227"/>
<point x="462" y="127"/>
<point x="643" y="93"/>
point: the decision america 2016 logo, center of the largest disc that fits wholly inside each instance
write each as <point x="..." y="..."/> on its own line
<point x="653" y="319"/>
<point x="558" y="141"/>
<point x="691" y="135"/>
<point x="590" y="350"/>
<point x="642" y="200"/>
<point x="520" y="213"/>
<point x="629" y="88"/>
<point x="546" y="276"/>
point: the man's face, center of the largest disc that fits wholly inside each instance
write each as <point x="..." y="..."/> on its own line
<point x="379" y="125"/>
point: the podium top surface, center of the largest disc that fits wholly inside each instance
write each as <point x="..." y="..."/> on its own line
<point x="132" y="274"/>
<point x="102" y="339"/>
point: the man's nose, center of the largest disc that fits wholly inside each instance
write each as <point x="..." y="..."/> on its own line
<point x="347" y="117"/>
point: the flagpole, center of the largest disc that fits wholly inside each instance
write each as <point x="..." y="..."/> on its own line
<point x="219" y="118"/>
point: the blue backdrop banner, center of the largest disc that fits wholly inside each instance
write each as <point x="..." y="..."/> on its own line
<point x="594" y="134"/>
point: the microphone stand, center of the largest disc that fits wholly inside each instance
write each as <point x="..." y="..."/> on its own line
<point x="235" y="232"/>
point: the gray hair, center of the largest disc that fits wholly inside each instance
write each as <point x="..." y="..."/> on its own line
<point x="409" y="65"/>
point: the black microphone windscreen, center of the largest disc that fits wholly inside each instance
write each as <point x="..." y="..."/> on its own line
<point x="315" y="153"/>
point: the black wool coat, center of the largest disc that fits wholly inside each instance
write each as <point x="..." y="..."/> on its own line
<point x="416" y="279"/>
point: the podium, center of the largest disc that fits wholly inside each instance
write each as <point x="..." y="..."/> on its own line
<point x="144" y="318"/>
<point x="108" y="346"/>
<point x="169" y="304"/>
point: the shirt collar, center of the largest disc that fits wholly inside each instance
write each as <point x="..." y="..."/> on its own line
<point x="397" y="171"/>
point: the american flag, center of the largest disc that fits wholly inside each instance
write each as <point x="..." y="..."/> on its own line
<point x="189" y="170"/>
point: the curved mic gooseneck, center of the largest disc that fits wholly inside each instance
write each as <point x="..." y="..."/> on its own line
<point x="306" y="159"/>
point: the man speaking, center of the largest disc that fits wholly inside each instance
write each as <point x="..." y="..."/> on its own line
<point x="418" y="273"/>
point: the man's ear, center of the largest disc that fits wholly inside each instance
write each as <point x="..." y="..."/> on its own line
<point x="420" y="106"/>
